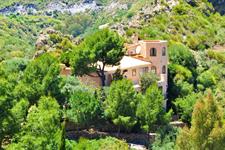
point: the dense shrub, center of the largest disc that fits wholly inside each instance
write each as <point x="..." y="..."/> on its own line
<point x="84" y="108"/>
<point x="206" y="79"/>
<point x="181" y="55"/>
<point x="147" y="80"/>
<point x="180" y="81"/>
<point x="150" y="110"/>
<point x="121" y="103"/>
<point x="109" y="143"/>
<point x="185" y="106"/>
<point x="220" y="57"/>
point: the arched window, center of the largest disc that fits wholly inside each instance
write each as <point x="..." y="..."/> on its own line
<point x="164" y="70"/>
<point x="153" y="69"/>
<point x="153" y="52"/>
<point x="163" y="51"/>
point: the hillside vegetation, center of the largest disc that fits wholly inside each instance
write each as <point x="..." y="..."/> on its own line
<point x="199" y="26"/>
<point x="18" y="34"/>
<point x="37" y="102"/>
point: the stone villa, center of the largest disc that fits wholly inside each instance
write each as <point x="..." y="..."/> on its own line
<point x="141" y="57"/>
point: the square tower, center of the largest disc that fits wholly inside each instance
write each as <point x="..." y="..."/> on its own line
<point x="155" y="51"/>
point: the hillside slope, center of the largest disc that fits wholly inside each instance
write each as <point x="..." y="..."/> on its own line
<point x="19" y="33"/>
<point x="196" y="25"/>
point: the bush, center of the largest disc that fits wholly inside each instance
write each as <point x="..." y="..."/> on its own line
<point x="166" y="139"/>
<point x="181" y="55"/>
<point x="121" y="103"/>
<point x="108" y="143"/>
<point x="150" y="110"/>
<point x="84" y="107"/>
<point x="217" y="56"/>
<point x="185" y="106"/>
<point x="180" y="81"/>
<point x="148" y="79"/>
<point x="207" y="79"/>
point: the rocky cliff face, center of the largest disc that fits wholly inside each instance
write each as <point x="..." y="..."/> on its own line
<point x="49" y="8"/>
<point x="23" y="7"/>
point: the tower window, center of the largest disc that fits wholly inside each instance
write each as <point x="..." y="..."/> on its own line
<point x="145" y="69"/>
<point x="163" y="51"/>
<point x="153" y="52"/>
<point x="164" y="70"/>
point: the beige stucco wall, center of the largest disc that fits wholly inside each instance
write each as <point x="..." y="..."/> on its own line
<point x="129" y="74"/>
<point x="91" y="80"/>
<point x="139" y="71"/>
<point x="158" y="61"/>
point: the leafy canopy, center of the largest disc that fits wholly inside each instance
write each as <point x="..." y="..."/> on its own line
<point x="207" y="130"/>
<point x="120" y="104"/>
<point x="84" y="107"/>
<point x="150" y="110"/>
<point x="104" y="46"/>
<point x="42" y="129"/>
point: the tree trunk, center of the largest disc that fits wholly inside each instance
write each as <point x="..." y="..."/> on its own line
<point x="118" y="132"/>
<point x="101" y="74"/>
<point x="102" y="79"/>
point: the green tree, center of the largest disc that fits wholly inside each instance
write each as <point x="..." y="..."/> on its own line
<point x="148" y="79"/>
<point x="181" y="55"/>
<point x="185" y="106"/>
<point x="206" y="80"/>
<point x="109" y="143"/>
<point x="150" y="110"/>
<point x="180" y="81"/>
<point x="120" y="104"/>
<point x="12" y="116"/>
<point x="13" y="111"/>
<point x="42" y="129"/>
<point x="207" y="130"/>
<point x="84" y="107"/>
<point x="103" y="46"/>
<point x="41" y="77"/>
